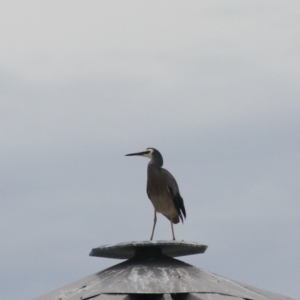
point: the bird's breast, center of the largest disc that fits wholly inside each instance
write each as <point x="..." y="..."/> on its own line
<point x="161" y="199"/>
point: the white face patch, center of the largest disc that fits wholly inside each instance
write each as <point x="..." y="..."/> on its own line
<point x="150" y="154"/>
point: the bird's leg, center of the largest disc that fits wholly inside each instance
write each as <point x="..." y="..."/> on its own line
<point x="155" y="218"/>
<point x="173" y="231"/>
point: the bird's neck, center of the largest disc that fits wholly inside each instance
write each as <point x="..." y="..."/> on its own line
<point x="156" y="162"/>
<point x="153" y="167"/>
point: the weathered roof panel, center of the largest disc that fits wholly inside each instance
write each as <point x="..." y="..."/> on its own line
<point x="152" y="273"/>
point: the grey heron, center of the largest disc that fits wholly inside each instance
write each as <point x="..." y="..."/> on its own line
<point x="162" y="190"/>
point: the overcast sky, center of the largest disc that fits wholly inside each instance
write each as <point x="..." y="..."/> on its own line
<point x="213" y="85"/>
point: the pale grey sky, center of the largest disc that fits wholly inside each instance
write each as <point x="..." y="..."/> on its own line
<point x="213" y="85"/>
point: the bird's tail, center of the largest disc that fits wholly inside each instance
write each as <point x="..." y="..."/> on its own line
<point x="180" y="207"/>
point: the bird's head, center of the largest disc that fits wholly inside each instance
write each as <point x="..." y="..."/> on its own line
<point x="151" y="153"/>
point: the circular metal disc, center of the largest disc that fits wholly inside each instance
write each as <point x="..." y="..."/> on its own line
<point x="130" y="249"/>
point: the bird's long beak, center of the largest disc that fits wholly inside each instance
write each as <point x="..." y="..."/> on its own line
<point x="138" y="153"/>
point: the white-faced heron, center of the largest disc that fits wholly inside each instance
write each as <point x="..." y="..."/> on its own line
<point x="162" y="190"/>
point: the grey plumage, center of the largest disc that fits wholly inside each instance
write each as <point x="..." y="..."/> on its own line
<point x="162" y="190"/>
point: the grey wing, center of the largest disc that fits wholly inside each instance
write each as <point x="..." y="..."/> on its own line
<point x="175" y="194"/>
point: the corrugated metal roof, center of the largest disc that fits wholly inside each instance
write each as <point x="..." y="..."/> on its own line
<point x="151" y="274"/>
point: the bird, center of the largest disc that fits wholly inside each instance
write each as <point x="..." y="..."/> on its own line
<point x="162" y="190"/>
